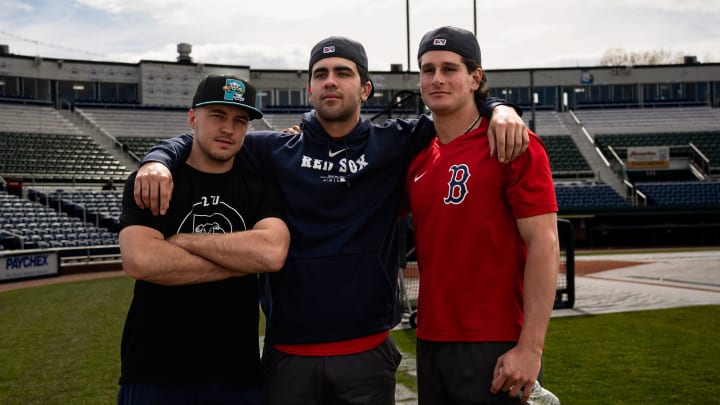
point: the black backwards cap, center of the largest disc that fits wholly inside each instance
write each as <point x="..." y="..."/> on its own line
<point x="340" y="47"/>
<point x="453" y="39"/>
<point x="229" y="90"/>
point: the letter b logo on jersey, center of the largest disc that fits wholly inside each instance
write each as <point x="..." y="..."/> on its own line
<point x="457" y="186"/>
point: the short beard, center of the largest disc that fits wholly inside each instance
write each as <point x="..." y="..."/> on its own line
<point x="340" y="116"/>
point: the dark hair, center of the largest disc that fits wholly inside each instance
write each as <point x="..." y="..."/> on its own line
<point x="364" y="75"/>
<point x="482" y="93"/>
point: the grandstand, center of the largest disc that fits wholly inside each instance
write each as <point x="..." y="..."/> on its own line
<point x="29" y="224"/>
<point x="59" y="145"/>
<point x="138" y="122"/>
<point x="39" y="144"/>
<point x="683" y="193"/>
<point x="547" y="123"/>
<point x="34" y="119"/>
<point x="57" y="158"/>
<point x="650" y="120"/>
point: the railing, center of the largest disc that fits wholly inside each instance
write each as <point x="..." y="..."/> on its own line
<point x="699" y="159"/>
<point x="616" y="163"/>
<point x="565" y="290"/>
<point x="20" y="238"/>
<point x="102" y="130"/>
<point x="74" y="255"/>
<point x="103" y="254"/>
<point x="400" y="99"/>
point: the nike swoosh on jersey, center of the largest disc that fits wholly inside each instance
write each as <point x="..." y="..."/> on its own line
<point x="419" y="176"/>
<point x="337" y="152"/>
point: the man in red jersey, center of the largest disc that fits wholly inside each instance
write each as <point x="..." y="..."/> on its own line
<point x="486" y="240"/>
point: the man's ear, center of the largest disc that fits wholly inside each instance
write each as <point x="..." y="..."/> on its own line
<point x="309" y="91"/>
<point x="365" y="91"/>
<point x="477" y="78"/>
<point x="191" y="118"/>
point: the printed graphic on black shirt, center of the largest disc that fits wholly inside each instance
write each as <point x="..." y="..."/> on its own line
<point x="212" y="215"/>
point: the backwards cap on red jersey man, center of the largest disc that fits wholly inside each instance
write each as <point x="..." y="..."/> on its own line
<point x="452" y="39"/>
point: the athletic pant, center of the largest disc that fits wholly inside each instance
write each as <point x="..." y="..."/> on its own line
<point x="362" y="378"/>
<point x="459" y="373"/>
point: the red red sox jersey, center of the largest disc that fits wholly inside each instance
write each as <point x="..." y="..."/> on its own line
<point x="464" y="206"/>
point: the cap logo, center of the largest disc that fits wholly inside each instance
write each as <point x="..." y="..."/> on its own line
<point x="439" y="42"/>
<point x="234" y="90"/>
<point x="329" y="49"/>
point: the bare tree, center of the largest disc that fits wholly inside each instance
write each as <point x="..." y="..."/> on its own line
<point x="615" y="57"/>
<point x="621" y="57"/>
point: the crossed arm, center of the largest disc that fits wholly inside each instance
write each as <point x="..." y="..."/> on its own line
<point x="520" y="366"/>
<point x="197" y="258"/>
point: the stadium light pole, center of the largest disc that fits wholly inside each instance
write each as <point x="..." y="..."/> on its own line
<point x="532" y="100"/>
<point x="475" y="18"/>
<point x="407" y="30"/>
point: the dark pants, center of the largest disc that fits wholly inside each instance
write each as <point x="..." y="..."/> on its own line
<point x="187" y="394"/>
<point x="459" y="373"/>
<point x="361" y="378"/>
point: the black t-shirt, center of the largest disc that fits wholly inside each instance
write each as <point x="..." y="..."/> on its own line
<point x="201" y="333"/>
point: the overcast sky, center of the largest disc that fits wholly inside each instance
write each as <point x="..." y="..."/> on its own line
<point x="278" y="34"/>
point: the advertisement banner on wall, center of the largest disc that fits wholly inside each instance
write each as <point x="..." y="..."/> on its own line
<point x="648" y="157"/>
<point x="29" y="264"/>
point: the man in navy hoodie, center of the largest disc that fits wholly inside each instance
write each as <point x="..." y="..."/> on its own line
<point x="330" y="309"/>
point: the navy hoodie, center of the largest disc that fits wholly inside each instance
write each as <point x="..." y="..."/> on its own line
<point x="343" y="196"/>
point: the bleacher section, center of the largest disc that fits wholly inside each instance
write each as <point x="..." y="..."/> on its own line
<point x="566" y="161"/>
<point x="707" y="142"/>
<point x="139" y="122"/>
<point x="138" y="146"/>
<point x="649" y="120"/>
<point x="57" y="158"/>
<point x="676" y="128"/>
<point x="594" y="195"/>
<point x="587" y="195"/>
<point x="691" y="194"/>
<point x="101" y="208"/>
<point x="547" y="123"/>
<point x="30" y="225"/>
<point x="35" y="119"/>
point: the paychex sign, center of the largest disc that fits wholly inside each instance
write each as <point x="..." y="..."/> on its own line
<point x="28" y="264"/>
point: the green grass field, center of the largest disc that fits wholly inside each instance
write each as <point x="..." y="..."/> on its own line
<point x="59" y="344"/>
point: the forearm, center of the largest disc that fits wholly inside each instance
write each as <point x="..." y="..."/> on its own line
<point x="158" y="261"/>
<point x="540" y="284"/>
<point x="253" y="251"/>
